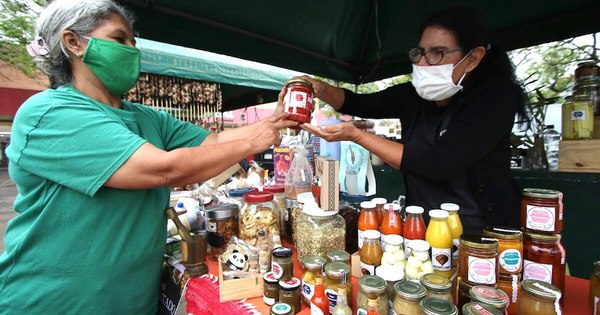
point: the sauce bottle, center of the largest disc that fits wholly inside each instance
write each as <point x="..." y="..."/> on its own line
<point x="414" y="228"/>
<point x="373" y="306"/>
<point x="367" y="220"/>
<point x="456" y="228"/>
<point x="391" y="224"/>
<point x="319" y="303"/>
<point x="440" y="238"/>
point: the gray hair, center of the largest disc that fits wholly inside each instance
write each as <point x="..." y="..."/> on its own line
<point x="79" y="16"/>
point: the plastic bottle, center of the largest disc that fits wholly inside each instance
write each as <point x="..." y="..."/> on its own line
<point x="551" y="142"/>
<point x="299" y="177"/>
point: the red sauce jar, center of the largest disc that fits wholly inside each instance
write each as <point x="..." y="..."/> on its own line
<point x="544" y="259"/>
<point x="542" y="210"/>
<point x="298" y="100"/>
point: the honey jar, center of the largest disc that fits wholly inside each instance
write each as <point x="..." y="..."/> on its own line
<point x="510" y="248"/>
<point x="542" y="210"/>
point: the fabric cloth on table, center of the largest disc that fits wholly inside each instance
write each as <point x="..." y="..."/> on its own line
<point x="202" y="296"/>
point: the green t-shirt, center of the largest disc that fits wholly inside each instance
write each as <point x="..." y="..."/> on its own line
<point x="78" y="247"/>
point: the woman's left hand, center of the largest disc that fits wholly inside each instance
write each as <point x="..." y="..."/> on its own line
<point x="345" y="131"/>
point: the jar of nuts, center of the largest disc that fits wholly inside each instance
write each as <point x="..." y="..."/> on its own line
<point x="258" y="212"/>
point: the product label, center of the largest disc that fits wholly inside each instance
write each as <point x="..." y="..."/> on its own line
<point x="296" y="99"/>
<point x="268" y="301"/>
<point x="315" y="310"/>
<point x="277" y="270"/>
<point x="211" y="226"/>
<point x="441" y="258"/>
<point x="510" y="260"/>
<point x="536" y="271"/>
<point x="361" y="311"/>
<point x="578" y="115"/>
<point x="407" y="246"/>
<point x="332" y="297"/>
<point x="308" y="290"/>
<point x="361" y="238"/>
<point x="366" y="270"/>
<point x="540" y="218"/>
<point x="482" y="271"/>
<point x="455" y="243"/>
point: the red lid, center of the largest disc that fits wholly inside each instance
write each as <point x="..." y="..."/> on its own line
<point x="258" y="196"/>
<point x="275" y="188"/>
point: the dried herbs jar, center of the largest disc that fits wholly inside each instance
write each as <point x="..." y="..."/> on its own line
<point x="319" y="231"/>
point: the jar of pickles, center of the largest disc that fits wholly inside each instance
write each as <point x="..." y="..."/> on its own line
<point x="391" y="275"/>
<point x="372" y="287"/>
<point x="337" y="275"/>
<point x="437" y="286"/>
<point x="338" y="255"/>
<point x="489" y="296"/>
<point x="408" y="297"/>
<point x="435" y="306"/>
<point x="539" y="297"/>
<point x="221" y="226"/>
<point x="393" y="252"/>
<point x="370" y="253"/>
<point x="312" y="266"/>
<point x="511" y="285"/>
<point x="259" y="212"/>
<point x="544" y="259"/>
<point x="282" y="264"/>
<point x="510" y="248"/>
<point x="578" y="118"/>
<point x="419" y="261"/>
<point x="478" y="259"/>
<point x="289" y="292"/>
<point x="542" y="210"/>
<point x="319" y="231"/>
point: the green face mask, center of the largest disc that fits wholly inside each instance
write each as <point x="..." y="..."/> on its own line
<point x="116" y="65"/>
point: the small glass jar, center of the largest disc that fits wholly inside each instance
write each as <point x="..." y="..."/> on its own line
<point x="544" y="259"/>
<point x="319" y="231"/>
<point x="435" y="306"/>
<point x="391" y="275"/>
<point x="393" y="252"/>
<point x="281" y="308"/>
<point x="542" y="211"/>
<point x="259" y="212"/>
<point x="511" y="285"/>
<point x="478" y="259"/>
<point x="473" y="308"/>
<point x="221" y="226"/>
<point x="539" y="298"/>
<point x="270" y="289"/>
<point x="437" y="286"/>
<point x="490" y="296"/>
<point x="279" y="198"/>
<point x="337" y="275"/>
<point x="372" y="287"/>
<point x="282" y="264"/>
<point x="350" y="211"/>
<point x="419" y="260"/>
<point x="370" y="253"/>
<point x="298" y="100"/>
<point x="289" y="292"/>
<point x="338" y="255"/>
<point x="510" y="248"/>
<point x="408" y="297"/>
<point x="312" y="266"/>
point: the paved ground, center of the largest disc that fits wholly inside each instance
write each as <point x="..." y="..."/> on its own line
<point x="8" y="192"/>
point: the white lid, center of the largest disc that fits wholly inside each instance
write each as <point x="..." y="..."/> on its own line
<point x="419" y="245"/>
<point x="414" y="209"/>
<point x="395" y="206"/>
<point x="390" y="273"/>
<point x="438" y="214"/>
<point x="304" y="197"/>
<point x="379" y="201"/>
<point x="367" y="205"/>
<point x="449" y="206"/>
<point x="311" y="208"/>
<point x="371" y="234"/>
<point x="394" y="239"/>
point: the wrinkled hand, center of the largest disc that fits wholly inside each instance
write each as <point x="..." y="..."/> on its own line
<point x="345" y="131"/>
<point x="265" y="133"/>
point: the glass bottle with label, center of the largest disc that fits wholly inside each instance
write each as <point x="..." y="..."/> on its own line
<point x="371" y="287"/>
<point x="370" y="253"/>
<point x="438" y="235"/>
<point x="539" y="298"/>
<point x="312" y="268"/>
<point x="337" y="276"/>
<point x="341" y="308"/>
<point x="338" y="255"/>
<point x="391" y="223"/>
<point x="478" y="259"/>
<point x="414" y="228"/>
<point x="379" y="207"/>
<point x="319" y="304"/>
<point x="595" y="289"/>
<point x="455" y="226"/>
<point x="368" y="220"/>
<point x="544" y="259"/>
<point x="419" y="260"/>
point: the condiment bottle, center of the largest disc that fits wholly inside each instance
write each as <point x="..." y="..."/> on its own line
<point x="312" y="269"/>
<point x="595" y="289"/>
<point x="414" y="228"/>
<point x="539" y="298"/>
<point x="440" y="238"/>
<point x="368" y="220"/>
<point x="379" y="206"/>
<point x="455" y="226"/>
<point x="319" y="304"/>
<point x="419" y="261"/>
<point x="544" y="259"/>
<point x="373" y="305"/>
<point x="341" y="308"/>
<point x="435" y="306"/>
<point x="298" y="100"/>
<point x="370" y="253"/>
<point x="391" y="223"/>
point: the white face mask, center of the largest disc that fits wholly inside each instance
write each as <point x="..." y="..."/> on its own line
<point x="434" y="83"/>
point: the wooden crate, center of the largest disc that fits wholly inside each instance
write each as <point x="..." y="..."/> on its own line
<point x="237" y="289"/>
<point x="579" y="156"/>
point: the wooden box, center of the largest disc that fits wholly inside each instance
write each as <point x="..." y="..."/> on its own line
<point x="329" y="173"/>
<point x="238" y="289"/>
<point x="579" y="156"/>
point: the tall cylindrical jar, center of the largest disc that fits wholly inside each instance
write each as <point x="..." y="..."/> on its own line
<point x="372" y="287"/>
<point x="279" y="199"/>
<point x="455" y="226"/>
<point x="542" y="210"/>
<point x="319" y="231"/>
<point x="259" y="212"/>
<point x="221" y="226"/>
<point x="578" y="118"/>
<point x="510" y="248"/>
<point x="544" y="259"/>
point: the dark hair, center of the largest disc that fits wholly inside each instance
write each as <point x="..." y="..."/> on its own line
<point x="470" y="30"/>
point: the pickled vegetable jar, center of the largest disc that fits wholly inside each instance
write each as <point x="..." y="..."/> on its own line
<point x="372" y="287"/>
<point x="393" y="252"/>
<point x="578" y="118"/>
<point x="440" y="239"/>
<point x="510" y="248"/>
<point x="419" y="261"/>
<point x="338" y="255"/>
<point x="539" y="298"/>
<point x="408" y="297"/>
<point x="544" y="259"/>
<point x="337" y="275"/>
<point x="312" y="266"/>
<point x="437" y="286"/>
<point x="478" y="262"/>
<point x="542" y="210"/>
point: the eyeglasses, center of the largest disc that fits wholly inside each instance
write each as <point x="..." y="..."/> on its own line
<point x="433" y="56"/>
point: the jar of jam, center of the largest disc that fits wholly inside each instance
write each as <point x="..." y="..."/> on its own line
<point x="368" y="220"/>
<point x="270" y="289"/>
<point x="258" y="212"/>
<point x="478" y="259"/>
<point x="221" y="226"/>
<point x="538" y="298"/>
<point x="289" y="292"/>
<point x="437" y="286"/>
<point x="544" y="259"/>
<point x="282" y="264"/>
<point x="298" y="100"/>
<point x="435" y="306"/>
<point x="312" y="267"/>
<point x="473" y="308"/>
<point x="510" y="248"/>
<point x="542" y="210"/>
<point x="337" y="275"/>
<point x="391" y="275"/>
<point x="489" y="296"/>
<point x="281" y="308"/>
<point x="370" y="253"/>
<point x="338" y="255"/>
<point x="372" y="287"/>
<point x="408" y="297"/>
<point x="511" y="285"/>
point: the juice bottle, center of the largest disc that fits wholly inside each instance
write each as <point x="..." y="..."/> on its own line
<point x="379" y="205"/>
<point x="440" y="238"/>
<point x="367" y="220"/>
<point x="455" y="228"/>
<point x="391" y="224"/>
<point x="414" y="228"/>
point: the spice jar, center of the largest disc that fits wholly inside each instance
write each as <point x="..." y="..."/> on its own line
<point x="372" y="287"/>
<point x="337" y="275"/>
<point x="368" y="220"/>
<point x="510" y="248"/>
<point x="435" y="306"/>
<point x="393" y="252"/>
<point x="350" y="211"/>
<point x="289" y="292"/>
<point x="319" y="231"/>
<point x="270" y="289"/>
<point x="419" y="261"/>
<point x="295" y="211"/>
<point x="221" y="226"/>
<point x="489" y="296"/>
<point x="511" y="285"/>
<point x="279" y="199"/>
<point x="281" y="308"/>
<point x="282" y="264"/>
<point x="408" y="296"/>
<point x="473" y="308"/>
<point x="539" y="298"/>
<point x="259" y="212"/>
<point x="298" y="100"/>
<point x="478" y="259"/>
<point x="338" y="255"/>
<point x="391" y="275"/>
<point x="437" y="286"/>
<point x="578" y="118"/>
<point x="312" y="267"/>
<point x="542" y="210"/>
<point x="544" y="259"/>
<point x="370" y="253"/>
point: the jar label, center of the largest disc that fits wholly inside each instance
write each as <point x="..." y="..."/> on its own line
<point x="407" y="246"/>
<point x="366" y="270"/>
<point x="455" y="244"/>
<point x="578" y="115"/>
<point x="277" y="270"/>
<point x="296" y="99"/>
<point x="315" y="310"/>
<point x="482" y="270"/>
<point x="441" y="258"/>
<point x="361" y="238"/>
<point x="332" y="297"/>
<point x="536" y="271"/>
<point x="510" y="260"/>
<point x="268" y="300"/>
<point x="541" y="218"/>
<point x="308" y="290"/>
<point x="211" y="226"/>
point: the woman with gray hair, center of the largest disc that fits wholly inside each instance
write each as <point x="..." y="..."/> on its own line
<point x="93" y="171"/>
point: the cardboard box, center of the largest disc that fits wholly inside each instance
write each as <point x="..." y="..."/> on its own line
<point x="579" y="156"/>
<point x="282" y="160"/>
<point x="328" y="171"/>
<point x="238" y="289"/>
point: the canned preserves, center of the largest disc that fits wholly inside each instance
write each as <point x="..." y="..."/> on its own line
<point x="542" y="210"/>
<point x="544" y="259"/>
<point x="510" y="248"/>
<point x="539" y="298"/>
<point x="298" y="100"/>
<point x="478" y="259"/>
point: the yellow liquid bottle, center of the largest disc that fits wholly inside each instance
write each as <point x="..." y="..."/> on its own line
<point x="455" y="226"/>
<point x="439" y="236"/>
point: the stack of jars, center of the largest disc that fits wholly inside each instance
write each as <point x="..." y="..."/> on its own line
<point x="581" y="108"/>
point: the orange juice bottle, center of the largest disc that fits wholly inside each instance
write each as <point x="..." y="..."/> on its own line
<point x="456" y="228"/>
<point x="439" y="236"/>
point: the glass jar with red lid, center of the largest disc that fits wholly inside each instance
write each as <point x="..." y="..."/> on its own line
<point x="298" y="100"/>
<point x="542" y="210"/>
<point x="544" y="259"/>
<point x="258" y="212"/>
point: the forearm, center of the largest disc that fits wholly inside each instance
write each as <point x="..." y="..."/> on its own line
<point x="389" y="151"/>
<point x="233" y="134"/>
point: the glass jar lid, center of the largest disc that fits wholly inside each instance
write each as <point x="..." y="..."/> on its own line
<point x="390" y="273"/>
<point x="410" y="290"/>
<point x="478" y="241"/>
<point x="542" y="237"/>
<point x="393" y="206"/>
<point x="337" y="270"/>
<point x="282" y="252"/>
<point x="275" y="188"/>
<point x="372" y="284"/>
<point x="473" y="308"/>
<point x="300" y="81"/>
<point x="239" y="192"/>
<point x="367" y="205"/>
<point x="501" y="232"/>
<point x="258" y="196"/>
<point x="435" y="282"/>
<point x="448" y="206"/>
<point x="281" y="308"/>
<point x="270" y="277"/>
<point x="222" y="211"/>
<point x="414" y="209"/>
<point x="489" y="296"/>
<point x="419" y="245"/>
<point x="540" y="289"/>
<point x="435" y="306"/>
<point x="541" y="193"/>
<point x="289" y="285"/>
<point x="314" y="262"/>
<point x="338" y="255"/>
